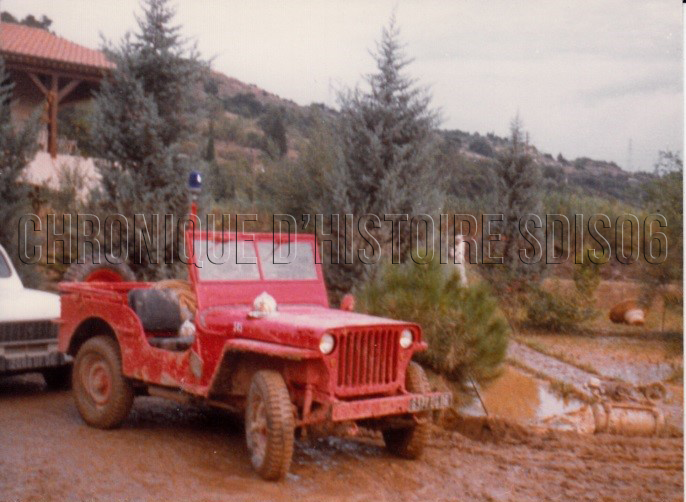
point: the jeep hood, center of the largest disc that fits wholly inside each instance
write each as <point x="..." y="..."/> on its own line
<point x="291" y="318"/>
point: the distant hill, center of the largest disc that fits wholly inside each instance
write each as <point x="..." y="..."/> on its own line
<point x="588" y="176"/>
<point x="239" y="137"/>
<point x="238" y="126"/>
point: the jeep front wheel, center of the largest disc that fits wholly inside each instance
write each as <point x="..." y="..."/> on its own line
<point x="103" y="396"/>
<point x="408" y="442"/>
<point x="269" y="425"/>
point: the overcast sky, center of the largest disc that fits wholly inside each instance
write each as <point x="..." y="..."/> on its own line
<point x="586" y="76"/>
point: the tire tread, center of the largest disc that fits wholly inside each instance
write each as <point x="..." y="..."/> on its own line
<point x="280" y="422"/>
<point x="115" y="412"/>
<point x="409" y="442"/>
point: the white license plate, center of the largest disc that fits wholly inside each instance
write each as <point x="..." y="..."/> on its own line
<point x="435" y="402"/>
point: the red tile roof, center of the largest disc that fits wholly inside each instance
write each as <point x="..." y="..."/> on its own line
<point x="35" y="45"/>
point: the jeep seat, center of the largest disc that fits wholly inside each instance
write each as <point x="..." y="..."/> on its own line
<point x="158" y="309"/>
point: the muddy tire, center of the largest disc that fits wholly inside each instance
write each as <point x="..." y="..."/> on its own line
<point x="99" y="272"/>
<point x="269" y="425"/>
<point x="409" y="442"/>
<point x="57" y="378"/>
<point x="103" y="396"/>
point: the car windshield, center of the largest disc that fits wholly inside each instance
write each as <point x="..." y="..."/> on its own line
<point x="228" y="262"/>
<point x="287" y="261"/>
<point x="224" y="262"/>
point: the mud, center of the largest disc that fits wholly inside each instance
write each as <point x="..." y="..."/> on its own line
<point x="549" y="366"/>
<point x="633" y="360"/>
<point x="486" y="429"/>
<point x="520" y="397"/>
<point x="171" y="453"/>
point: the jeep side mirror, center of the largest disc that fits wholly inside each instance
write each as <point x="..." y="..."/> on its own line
<point x="348" y="303"/>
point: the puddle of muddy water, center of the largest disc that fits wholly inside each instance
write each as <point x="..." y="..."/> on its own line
<point x="519" y="397"/>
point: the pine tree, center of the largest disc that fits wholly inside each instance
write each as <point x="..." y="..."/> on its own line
<point x="18" y="146"/>
<point x="664" y="196"/>
<point x="142" y="115"/>
<point x="518" y="189"/>
<point x="466" y="332"/>
<point x="389" y="151"/>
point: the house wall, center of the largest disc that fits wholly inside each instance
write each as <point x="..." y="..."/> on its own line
<point x="26" y="97"/>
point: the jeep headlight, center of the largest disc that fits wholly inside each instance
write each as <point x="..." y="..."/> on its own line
<point x="406" y="338"/>
<point x="327" y="343"/>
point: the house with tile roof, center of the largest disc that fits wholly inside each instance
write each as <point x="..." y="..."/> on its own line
<point x="49" y="72"/>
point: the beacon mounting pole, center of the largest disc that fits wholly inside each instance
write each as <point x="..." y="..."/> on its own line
<point x="194" y="189"/>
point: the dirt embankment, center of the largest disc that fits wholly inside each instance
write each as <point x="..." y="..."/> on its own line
<point x="171" y="453"/>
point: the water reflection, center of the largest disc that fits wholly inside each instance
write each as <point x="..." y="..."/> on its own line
<point x="520" y="397"/>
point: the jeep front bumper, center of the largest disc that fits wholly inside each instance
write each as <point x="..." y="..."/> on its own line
<point x="383" y="406"/>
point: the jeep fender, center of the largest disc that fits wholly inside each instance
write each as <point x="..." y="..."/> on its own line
<point x="241" y="358"/>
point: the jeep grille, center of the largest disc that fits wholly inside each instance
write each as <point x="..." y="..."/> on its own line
<point x="367" y="360"/>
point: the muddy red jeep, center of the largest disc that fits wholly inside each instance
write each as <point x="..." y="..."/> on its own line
<point x="257" y="338"/>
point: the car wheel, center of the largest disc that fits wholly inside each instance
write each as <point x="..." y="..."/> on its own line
<point x="269" y="425"/>
<point x="408" y="442"/>
<point x="103" y="396"/>
<point x="57" y="378"/>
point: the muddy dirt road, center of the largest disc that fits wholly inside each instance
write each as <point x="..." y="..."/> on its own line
<point x="168" y="453"/>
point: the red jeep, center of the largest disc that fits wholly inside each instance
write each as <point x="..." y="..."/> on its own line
<point x="255" y="338"/>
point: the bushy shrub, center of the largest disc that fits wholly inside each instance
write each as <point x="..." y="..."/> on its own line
<point x="482" y="147"/>
<point x="465" y="331"/>
<point x="586" y="276"/>
<point x="230" y="129"/>
<point x="556" y="310"/>
<point x="245" y="104"/>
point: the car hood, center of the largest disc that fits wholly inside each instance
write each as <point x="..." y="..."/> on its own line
<point x="20" y="304"/>
<point x="300" y="321"/>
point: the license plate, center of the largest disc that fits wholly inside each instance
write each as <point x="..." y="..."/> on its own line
<point x="432" y="402"/>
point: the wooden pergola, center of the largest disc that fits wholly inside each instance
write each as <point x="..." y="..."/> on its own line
<point x="60" y="70"/>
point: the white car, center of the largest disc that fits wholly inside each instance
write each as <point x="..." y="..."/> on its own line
<point x="28" y="335"/>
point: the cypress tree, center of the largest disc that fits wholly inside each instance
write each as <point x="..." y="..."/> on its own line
<point x="18" y="145"/>
<point x="389" y="153"/>
<point x="142" y="115"/>
<point x="275" y="130"/>
<point x="518" y="189"/>
<point x="209" y="150"/>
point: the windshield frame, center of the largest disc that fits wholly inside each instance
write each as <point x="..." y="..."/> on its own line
<point x="234" y="238"/>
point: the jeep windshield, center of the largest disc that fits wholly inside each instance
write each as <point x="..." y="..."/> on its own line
<point x="242" y="260"/>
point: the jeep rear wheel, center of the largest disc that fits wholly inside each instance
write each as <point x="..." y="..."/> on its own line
<point x="103" y="396"/>
<point x="408" y="442"/>
<point x="269" y="425"/>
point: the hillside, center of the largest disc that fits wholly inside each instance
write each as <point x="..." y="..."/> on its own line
<point x="240" y="137"/>
<point x="582" y="175"/>
<point x="252" y="129"/>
